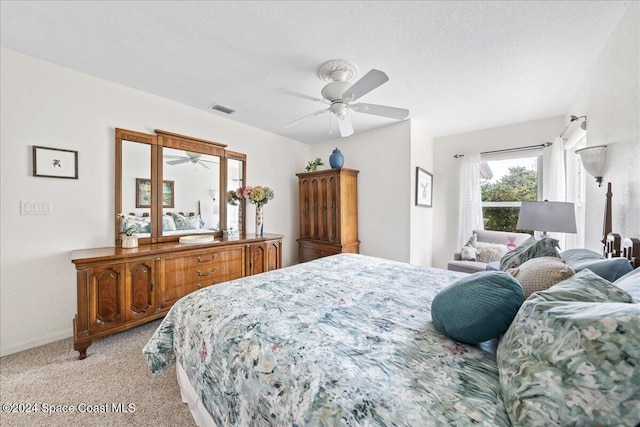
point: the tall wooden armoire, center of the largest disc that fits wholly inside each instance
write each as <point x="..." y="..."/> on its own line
<point x="328" y="213"/>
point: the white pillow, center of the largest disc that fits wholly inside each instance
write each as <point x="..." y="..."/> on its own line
<point x="490" y="252"/>
<point x="168" y="224"/>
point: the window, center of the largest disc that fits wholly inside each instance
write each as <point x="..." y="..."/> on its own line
<point x="508" y="179"/>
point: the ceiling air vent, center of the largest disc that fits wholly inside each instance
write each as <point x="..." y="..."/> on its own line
<point x="222" y="108"/>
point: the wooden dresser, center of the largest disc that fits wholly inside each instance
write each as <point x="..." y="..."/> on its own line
<point x="328" y="213"/>
<point x="119" y="289"/>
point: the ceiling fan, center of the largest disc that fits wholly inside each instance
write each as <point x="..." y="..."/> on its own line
<point x="194" y="158"/>
<point x="339" y="94"/>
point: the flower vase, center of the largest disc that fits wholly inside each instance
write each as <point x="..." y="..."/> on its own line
<point x="129" y="241"/>
<point x="259" y="224"/>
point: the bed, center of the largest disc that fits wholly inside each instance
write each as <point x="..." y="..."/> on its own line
<point x="348" y="340"/>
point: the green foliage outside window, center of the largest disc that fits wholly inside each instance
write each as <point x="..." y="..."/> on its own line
<point x="519" y="185"/>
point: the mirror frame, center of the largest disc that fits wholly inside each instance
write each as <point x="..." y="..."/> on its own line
<point x="142" y="138"/>
<point x="181" y="142"/>
<point x="233" y="155"/>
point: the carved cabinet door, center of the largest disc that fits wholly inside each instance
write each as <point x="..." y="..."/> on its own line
<point x="106" y="297"/>
<point x="140" y="283"/>
<point x="306" y="208"/>
<point x="274" y="254"/>
<point x="256" y="258"/>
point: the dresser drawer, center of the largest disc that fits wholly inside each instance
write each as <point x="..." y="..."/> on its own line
<point x="213" y="263"/>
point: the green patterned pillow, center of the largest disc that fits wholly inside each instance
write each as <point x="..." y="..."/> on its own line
<point x="585" y="286"/>
<point x="477" y="307"/>
<point x="530" y="248"/>
<point x="564" y="362"/>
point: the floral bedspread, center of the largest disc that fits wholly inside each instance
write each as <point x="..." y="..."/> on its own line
<point x="343" y="340"/>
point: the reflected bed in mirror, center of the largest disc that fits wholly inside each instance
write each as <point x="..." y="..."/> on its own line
<point x="194" y="176"/>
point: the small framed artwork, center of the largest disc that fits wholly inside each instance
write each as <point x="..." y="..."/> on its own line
<point x="55" y="162"/>
<point x="424" y="188"/>
<point x="143" y="193"/>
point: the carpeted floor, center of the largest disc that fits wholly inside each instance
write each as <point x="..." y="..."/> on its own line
<point x="114" y="372"/>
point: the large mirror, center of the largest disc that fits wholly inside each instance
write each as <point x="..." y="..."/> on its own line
<point x="190" y="192"/>
<point x="192" y="178"/>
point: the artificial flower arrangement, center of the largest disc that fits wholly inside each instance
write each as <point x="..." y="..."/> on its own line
<point x="259" y="196"/>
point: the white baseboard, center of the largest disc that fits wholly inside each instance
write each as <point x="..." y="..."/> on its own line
<point x="27" y="345"/>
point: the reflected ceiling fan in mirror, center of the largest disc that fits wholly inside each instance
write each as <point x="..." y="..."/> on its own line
<point x="340" y="93"/>
<point x="194" y="158"/>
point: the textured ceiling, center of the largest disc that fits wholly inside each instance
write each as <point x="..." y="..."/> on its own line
<point x="457" y="66"/>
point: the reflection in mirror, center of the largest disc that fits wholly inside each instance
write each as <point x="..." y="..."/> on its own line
<point x="136" y="187"/>
<point x="234" y="181"/>
<point x="190" y="194"/>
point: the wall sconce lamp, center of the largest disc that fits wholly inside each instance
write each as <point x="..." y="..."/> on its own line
<point x="592" y="159"/>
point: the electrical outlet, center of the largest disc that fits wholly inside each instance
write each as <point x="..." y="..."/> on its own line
<point x="36" y="208"/>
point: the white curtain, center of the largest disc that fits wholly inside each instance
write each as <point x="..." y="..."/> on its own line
<point x="554" y="180"/>
<point x="470" y="211"/>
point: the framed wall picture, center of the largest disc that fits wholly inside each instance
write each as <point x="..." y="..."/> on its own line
<point x="143" y="193"/>
<point x="55" y="162"/>
<point x="424" y="188"/>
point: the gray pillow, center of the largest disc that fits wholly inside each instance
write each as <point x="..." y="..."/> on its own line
<point x="630" y="283"/>
<point x="611" y="269"/>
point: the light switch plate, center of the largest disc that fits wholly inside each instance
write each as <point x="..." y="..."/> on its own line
<point x="36" y="208"/>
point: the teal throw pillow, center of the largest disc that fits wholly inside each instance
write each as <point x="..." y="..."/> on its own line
<point x="529" y="249"/>
<point x="478" y="307"/>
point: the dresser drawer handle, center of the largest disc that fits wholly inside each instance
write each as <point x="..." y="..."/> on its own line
<point x="200" y="273"/>
<point x="199" y="286"/>
<point x="207" y="260"/>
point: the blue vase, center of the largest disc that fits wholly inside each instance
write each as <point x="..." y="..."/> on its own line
<point x="336" y="159"/>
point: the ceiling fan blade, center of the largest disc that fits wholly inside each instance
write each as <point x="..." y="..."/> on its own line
<point x="177" y="162"/>
<point x="381" y="110"/>
<point x="345" y="126"/>
<point x="303" y="96"/>
<point x="295" y="122"/>
<point x="366" y="84"/>
<point x="203" y="165"/>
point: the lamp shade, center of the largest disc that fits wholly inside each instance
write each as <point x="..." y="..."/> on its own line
<point x="547" y="216"/>
<point x="592" y="159"/>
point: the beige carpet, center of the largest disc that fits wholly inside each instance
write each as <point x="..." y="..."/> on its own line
<point x="114" y="372"/>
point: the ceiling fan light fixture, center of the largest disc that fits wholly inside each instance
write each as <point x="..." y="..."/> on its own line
<point x="339" y="109"/>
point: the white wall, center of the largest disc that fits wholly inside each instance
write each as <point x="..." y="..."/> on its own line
<point x="446" y="171"/>
<point x="421" y="232"/>
<point x="383" y="157"/>
<point x="47" y="105"/>
<point x="610" y="98"/>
